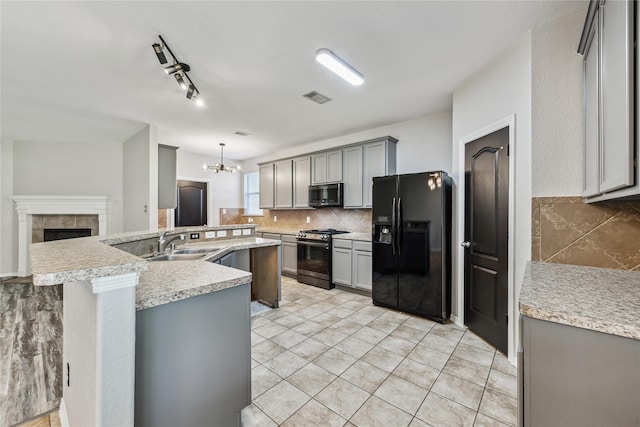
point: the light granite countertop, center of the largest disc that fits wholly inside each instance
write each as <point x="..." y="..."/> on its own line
<point x="363" y="237"/>
<point x="73" y="260"/>
<point x="598" y="299"/>
<point x="169" y="281"/>
<point x="160" y="282"/>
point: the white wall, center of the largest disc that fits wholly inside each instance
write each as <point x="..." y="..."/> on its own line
<point x="424" y="144"/>
<point x="556" y="108"/>
<point x="497" y="92"/>
<point x="8" y="220"/>
<point x="224" y="190"/>
<point x="140" y="181"/>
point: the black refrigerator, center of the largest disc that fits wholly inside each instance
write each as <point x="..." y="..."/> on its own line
<point x="412" y="243"/>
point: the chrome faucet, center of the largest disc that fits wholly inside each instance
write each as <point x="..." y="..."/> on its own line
<point x="163" y="241"/>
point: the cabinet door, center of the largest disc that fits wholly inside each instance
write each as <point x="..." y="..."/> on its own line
<point x="591" y="114"/>
<point x="167" y="184"/>
<point x="362" y="266"/>
<point x="617" y="95"/>
<point x="284" y="184"/>
<point x="301" y="181"/>
<point x="334" y="166"/>
<point x="353" y="177"/>
<point x="289" y="258"/>
<point x="266" y="186"/>
<point x="319" y="168"/>
<point x="374" y="165"/>
<point x="341" y="268"/>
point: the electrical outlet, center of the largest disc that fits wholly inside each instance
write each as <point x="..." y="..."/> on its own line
<point x="275" y="218"/>
<point x="246" y="232"/>
<point x="224" y="211"/>
<point x="308" y="220"/>
<point x="222" y="233"/>
<point x="237" y="232"/>
<point x="250" y="220"/>
<point x="209" y="234"/>
<point x="194" y="236"/>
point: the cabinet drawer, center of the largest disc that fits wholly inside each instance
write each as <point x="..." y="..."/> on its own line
<point x="362" y="246"/>
<point x="338" y="243"/>
<point x="288" y="238"/>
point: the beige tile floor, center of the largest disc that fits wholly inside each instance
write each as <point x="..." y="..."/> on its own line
<point x="331" y="358"/>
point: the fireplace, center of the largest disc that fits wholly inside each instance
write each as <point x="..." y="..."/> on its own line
<point x="51" y="234"/>
<point x="37" y="213"/>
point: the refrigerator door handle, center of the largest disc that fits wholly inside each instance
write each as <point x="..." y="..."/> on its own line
<point x="399" y="225"/>
<point x="393" y="226"/>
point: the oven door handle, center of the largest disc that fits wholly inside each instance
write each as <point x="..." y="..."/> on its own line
<point x="314" y="244"/>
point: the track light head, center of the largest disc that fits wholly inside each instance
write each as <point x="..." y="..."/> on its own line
<point x="196" y="98"/>
<point x="190" y="91"/>
<point x="159" y="53"/>
<point x="180" y="81"/>
<point x="178" y="66"/>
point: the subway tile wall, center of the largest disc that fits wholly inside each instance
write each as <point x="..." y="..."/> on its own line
<point x="352" y="220"/>
<point x="566" y="230"/>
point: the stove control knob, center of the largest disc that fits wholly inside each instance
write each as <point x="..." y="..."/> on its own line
<point x="324" y="237"/>
<point x="301" y="235"/>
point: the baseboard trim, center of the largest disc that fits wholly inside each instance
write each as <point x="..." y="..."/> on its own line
<point x="8" y="275"/>
<point x="64" y="418"/>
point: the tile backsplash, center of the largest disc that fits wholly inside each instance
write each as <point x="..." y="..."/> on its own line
<point x="353" y="220"/>
<point x="566" y="230"/>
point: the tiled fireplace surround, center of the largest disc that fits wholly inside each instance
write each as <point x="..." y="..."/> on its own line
<point x="42" y="222"/>
<point x="564" y="230"/>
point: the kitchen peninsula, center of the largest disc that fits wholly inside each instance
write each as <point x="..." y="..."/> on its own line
<point x="171" y="336"/>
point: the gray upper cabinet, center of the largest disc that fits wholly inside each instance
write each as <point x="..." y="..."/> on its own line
<point x="301" y="181"/>
<point x="326" y="167"/>
<point x="379" y="160"/>
<point x="266" y="186"/>
<point x="283" y="172"/>
<point x="610" y="144"/>
<point x="167" y="184"/>
<point x="353" y="177"/>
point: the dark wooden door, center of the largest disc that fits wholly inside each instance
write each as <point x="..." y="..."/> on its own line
<point x="192" y="203"/>
<point x="486" y="237"/>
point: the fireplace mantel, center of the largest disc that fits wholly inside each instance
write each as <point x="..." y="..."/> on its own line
<point x="27" y="206"/>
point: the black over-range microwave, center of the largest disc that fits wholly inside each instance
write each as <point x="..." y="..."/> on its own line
<point x="325" y="195"/>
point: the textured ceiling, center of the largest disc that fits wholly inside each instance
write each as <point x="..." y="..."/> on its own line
<point x="84" y="71"/>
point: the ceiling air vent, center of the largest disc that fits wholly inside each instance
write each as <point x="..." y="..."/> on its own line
<point x="239" y="132"/>
<point x="317" y="97"/>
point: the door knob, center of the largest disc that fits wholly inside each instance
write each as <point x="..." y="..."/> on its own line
<point x="466" y="244"/>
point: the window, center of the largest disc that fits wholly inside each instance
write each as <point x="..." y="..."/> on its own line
<point x="252" y="194"/>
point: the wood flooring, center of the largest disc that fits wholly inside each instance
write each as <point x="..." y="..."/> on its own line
<point x="30" y="350"/>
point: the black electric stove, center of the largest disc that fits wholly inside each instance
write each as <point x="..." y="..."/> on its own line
<point x="314" y="257"/>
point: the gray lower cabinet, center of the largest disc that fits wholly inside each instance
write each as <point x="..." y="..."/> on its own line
<point x="193" y="360"/>
<point x="289" y="252"/>
<point x="351" y="264"/>
<point x="341" y="262"/>
<point x="361" y="265"/>
<point x="289" y="255"/>
<point x="569" y="376"/>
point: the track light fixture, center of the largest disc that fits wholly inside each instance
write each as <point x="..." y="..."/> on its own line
<point x="180" y="81"/>
<point x="159" y="53"/>
<point x="179" y="71"/>
<point x="221" y="167"/>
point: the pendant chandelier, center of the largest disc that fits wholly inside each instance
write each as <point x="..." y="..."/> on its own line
<point x="221" y="167"/>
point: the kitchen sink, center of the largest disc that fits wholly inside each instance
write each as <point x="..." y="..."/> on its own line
<point x="193" y="251"/>
<point x="177" y="256"/>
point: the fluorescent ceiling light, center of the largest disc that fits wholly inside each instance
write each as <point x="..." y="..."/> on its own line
<point x="338" y="66"/>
